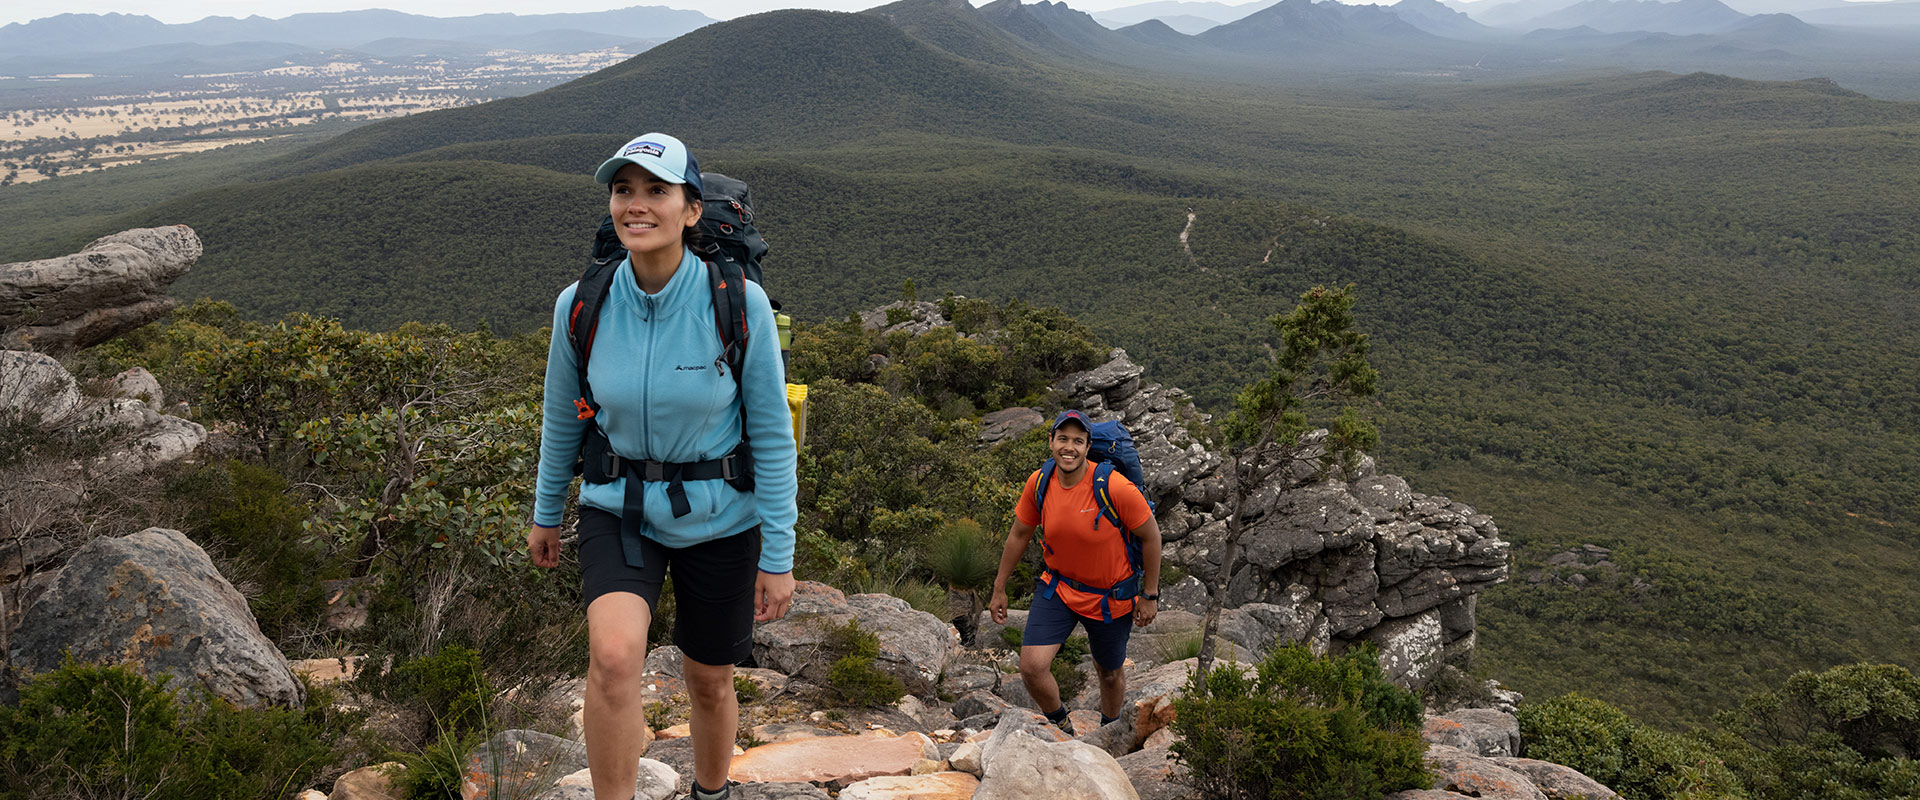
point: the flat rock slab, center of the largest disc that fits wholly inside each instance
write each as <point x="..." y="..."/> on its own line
<point x="1457" y="770"/>
<point x="1558" y="782"/>
<point x="935" y="786"/>
<point x="831" y="759"/>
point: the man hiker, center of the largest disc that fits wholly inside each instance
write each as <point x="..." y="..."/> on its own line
<point x="1102" y="550"/>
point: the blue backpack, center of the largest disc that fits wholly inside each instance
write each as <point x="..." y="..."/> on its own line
<point x="1109" y="447"/>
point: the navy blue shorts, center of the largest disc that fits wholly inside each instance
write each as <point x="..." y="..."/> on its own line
<point x="712" y="584"/>
<point x="1050" y="622"/>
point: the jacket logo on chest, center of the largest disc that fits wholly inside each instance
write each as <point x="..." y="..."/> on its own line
<point x="690" y="368"/>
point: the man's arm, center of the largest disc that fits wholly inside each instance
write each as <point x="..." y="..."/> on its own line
<point x="1018" y="537"/>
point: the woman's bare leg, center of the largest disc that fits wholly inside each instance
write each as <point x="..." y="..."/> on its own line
<point x="716" y="719"/>
<point x="617" y="639"/>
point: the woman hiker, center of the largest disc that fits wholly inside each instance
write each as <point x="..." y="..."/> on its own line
<point x="703" y="485"/>
<point x="1086" y="561"/>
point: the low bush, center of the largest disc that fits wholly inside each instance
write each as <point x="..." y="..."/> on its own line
<point x="96" y="731"/>
<point x="1301" y="726"/>
<point x="1637" y="761"/>
<point x="854" y="675"/>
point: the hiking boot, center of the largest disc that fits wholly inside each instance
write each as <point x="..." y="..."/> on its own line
<point x="725" y="793"/>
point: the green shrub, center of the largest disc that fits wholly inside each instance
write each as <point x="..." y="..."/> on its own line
<point x="1577" y="731"/>
<point x="1301" y="726"/>
<point x="745" y="690"/>
<point x="435" y="773"/>
<point x="1849" y="733"/>
<point x="854" y="675"/>
<point x="450" y="686"/>
<point x="1637" y="761"/>
<point x="94" y="731"/>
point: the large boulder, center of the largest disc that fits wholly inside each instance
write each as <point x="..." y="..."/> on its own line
<point x="1156" y="774"/>
<point x="154" y="601"/>
<point x="112" y="286"/>
<point x="34" y="386"/>
<point x="914" y="646"/>
<point x="369" y="783"/>
<point x="1491" y="732"/>
<point x="1020" y="766"/>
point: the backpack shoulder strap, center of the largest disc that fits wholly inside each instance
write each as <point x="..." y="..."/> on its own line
<point x="729" y="282"/>
<point x="1040" y="487"/>
<point x="583" y="321"/>
<point x="1102" y="479"/>
<point x="1102" y="482"/>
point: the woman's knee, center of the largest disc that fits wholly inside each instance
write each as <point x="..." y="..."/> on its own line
<point x="617" y="660"/>
<point x="707" y="684"/>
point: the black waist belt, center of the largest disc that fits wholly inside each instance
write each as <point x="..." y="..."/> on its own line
<point x="736" y="468"/>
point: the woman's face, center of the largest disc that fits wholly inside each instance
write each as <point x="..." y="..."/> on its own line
<point x="648" y="213"/>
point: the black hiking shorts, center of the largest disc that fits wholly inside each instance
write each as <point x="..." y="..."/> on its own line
<point x="712" y="584"/>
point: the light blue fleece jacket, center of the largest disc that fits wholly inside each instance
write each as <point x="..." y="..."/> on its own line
<point x="663" y="396"/>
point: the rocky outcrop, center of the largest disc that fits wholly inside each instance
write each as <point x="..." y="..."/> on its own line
<point x="154" y="601"/>
<point x="113" y="285"/>
<point x="36" y="389"/>
<point x="1330" y="560"/>
<point x="914" y="646"/>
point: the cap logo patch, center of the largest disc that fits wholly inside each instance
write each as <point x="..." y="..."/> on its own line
<point x="645" y="149"/>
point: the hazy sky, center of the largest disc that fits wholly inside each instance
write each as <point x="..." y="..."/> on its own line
<point x="175" y="11"/>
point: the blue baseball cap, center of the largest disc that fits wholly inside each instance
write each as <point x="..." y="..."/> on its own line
<point x="660" y="154"/>
<point x="1070" y="416"/>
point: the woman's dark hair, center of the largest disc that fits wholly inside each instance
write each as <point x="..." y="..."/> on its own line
<point x="690" y="237"/>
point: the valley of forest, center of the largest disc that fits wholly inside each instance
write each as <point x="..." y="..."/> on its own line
<point x="1672" y="315"/>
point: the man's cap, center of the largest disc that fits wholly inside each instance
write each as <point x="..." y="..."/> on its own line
<point x="660" y="154"/>
<point x="1071" y="416"/>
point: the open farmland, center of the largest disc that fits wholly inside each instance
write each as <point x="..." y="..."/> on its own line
<point x="68" y="123"/>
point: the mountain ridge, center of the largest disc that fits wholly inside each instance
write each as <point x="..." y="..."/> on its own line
<point x="86" y="33"/>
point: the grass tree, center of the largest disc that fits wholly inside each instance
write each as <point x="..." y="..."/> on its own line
<point x="1315" y="378"/>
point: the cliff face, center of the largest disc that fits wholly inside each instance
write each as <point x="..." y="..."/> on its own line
<point x="1357" y="556"/>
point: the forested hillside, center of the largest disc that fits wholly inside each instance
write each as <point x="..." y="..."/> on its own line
<point x="1670" y="315"/>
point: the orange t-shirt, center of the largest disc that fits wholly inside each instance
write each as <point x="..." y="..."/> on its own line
<point x="1093" y="557"/>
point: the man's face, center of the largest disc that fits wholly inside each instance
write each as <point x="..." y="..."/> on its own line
<point x="1069" y="447"/>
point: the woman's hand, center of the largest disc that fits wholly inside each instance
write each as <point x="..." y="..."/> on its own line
<point x="772" y="596"/>
<point x="998" y="606"/>
<point x="543" y="545"/>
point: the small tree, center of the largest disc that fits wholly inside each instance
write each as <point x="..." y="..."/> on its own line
<point x="1318" y="371"/>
